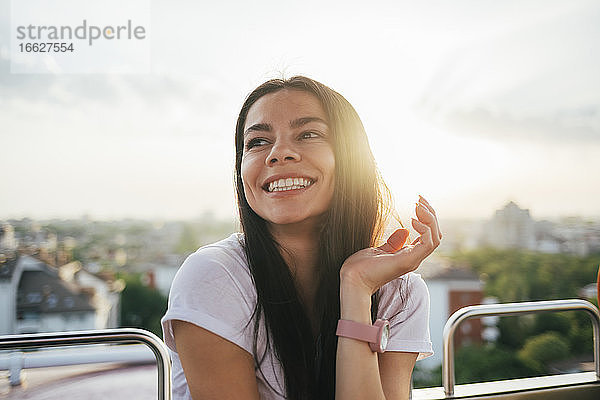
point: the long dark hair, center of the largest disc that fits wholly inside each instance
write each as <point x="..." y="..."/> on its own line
<point x="359" y="208"/>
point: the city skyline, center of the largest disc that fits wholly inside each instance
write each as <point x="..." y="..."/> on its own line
<point x="210" y="215"/>
<point x="469" y="104"/>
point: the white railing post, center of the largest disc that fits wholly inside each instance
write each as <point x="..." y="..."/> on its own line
<point x="15" y="364"/>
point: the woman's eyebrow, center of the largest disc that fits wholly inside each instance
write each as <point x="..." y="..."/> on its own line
<point x="305" y="120"/>
<point x="297" y="123"/>
<point x="262" y="127"/>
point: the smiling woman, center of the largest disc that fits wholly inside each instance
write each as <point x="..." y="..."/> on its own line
<point x="302" y="305"/>
<point x="293" y="145"/>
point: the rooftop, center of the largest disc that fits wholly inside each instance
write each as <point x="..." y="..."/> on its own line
<point x="43" y="291"/>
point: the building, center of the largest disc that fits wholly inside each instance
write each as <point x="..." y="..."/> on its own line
<point x="35" y="298"/>
<point x="103" y="290"/>
<point x="8" y="240"/>
<point x="511" y="228"/>
<point x="450" y="288"/>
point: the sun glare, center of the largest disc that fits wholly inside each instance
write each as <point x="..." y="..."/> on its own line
<point x="442" y="166"/>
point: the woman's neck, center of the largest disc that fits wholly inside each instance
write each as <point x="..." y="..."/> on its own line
<point x="301" y="252"/>
<point x="300" y="243"/>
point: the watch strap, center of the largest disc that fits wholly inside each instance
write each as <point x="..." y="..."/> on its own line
<point x="356" y="330"/>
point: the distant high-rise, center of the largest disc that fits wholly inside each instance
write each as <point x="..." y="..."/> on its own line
<point x="7" y="238"/>
<point x="511" y="228"/>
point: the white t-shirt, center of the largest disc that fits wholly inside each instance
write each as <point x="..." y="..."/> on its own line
<point x="213" y="289"/>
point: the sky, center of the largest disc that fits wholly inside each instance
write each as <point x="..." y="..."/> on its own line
<point x="469" y="103"/>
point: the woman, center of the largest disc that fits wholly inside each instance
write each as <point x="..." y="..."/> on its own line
<point x="257" y="315"/>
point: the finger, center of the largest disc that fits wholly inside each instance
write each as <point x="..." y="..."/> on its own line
<point x="407" y="258"/>
<point x="411" y="256"/>
<point x="423" y="229"/>
<point x="424" y="244"/>
<point x="426" y="203"/>
<point x="432" y="211"/>
<point x="426" y="217"/>
<point x="395" y="241"/>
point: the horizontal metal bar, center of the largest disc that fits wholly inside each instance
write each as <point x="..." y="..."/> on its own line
<point x="506" y="309"/>
<point x="102" y="353"/>
<point x="121" y="335"/>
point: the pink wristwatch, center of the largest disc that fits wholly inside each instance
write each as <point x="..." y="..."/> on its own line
<point x="376" y="335"/>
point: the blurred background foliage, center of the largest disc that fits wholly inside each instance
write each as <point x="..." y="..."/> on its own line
<point x="530" y="345"/>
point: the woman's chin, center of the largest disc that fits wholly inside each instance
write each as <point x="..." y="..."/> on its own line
<point x="284" y="220"/>
<point x="291" y="220"/>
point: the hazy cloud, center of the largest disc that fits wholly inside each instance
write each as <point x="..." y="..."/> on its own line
<point x="577" y="126"/>
<point x="535" y="82"/>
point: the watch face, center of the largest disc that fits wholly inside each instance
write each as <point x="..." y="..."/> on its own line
<point x="385" y="336"/>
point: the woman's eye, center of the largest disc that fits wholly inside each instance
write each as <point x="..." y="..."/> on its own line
<point x="309" y="134"/>
<point x="255" y="142"/>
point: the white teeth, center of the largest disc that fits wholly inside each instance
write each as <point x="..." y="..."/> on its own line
<point x="289" y="184"/>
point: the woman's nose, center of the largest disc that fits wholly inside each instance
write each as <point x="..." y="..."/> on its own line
<point x="282" y="151"/>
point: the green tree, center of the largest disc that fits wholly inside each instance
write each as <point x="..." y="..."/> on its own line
<point x="476" y="363"/>
<point x="581" y="334"/>
<point x="553" y="321"/>
<point x="514" y="331"/>
<point x="543" y="349"/>
<point x="517" y="275"/>
<point x="141" y="306"/>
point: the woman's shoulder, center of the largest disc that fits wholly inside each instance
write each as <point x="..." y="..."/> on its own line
<point x="417" y="283"/>
<point x="213" y="289"/>
<point x="228" y="249"/>
<point x="222" y="260"/>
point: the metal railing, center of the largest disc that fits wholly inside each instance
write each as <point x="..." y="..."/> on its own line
<point x="511" y="309"/>
<point x="121" y="335"/>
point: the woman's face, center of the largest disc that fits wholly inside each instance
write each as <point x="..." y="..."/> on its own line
<point x="288" y="162"/>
